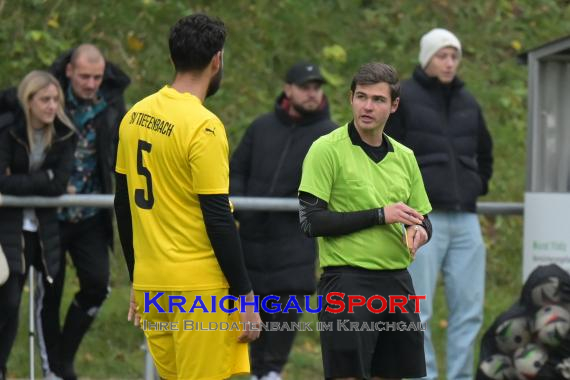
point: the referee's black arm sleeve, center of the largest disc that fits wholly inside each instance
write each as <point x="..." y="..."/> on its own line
<point x="426" y="223"/>
<point x="223" y="235"/>
<point x="124" y="222"/>
<point x="317" y="220"/>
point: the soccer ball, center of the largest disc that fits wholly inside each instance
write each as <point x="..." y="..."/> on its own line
<point x="552" y="323"/>
<point x="564" y="368"/>
<point x="529" y="360"/>
<point x="547" y="293"/>
<point x="498" y="367"/>
<point x="512" y="334"/>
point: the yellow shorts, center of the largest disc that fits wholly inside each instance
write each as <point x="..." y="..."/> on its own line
<point x="205" y="345"/>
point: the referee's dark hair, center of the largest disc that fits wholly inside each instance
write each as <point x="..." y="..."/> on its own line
<point x="376" y="72"/>
<point x="194" y="40"/>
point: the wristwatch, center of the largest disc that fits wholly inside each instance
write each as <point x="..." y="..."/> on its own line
<point x="381" y="217"/>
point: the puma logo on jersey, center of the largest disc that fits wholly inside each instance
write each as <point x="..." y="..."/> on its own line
<point x="211" y="130"/>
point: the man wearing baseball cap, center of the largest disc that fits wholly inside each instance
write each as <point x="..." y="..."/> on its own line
<point x="443" y="124"/>
<point x="267" y="163"/>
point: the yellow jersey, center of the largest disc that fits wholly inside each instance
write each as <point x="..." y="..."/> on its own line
<point x="172" y="148"/>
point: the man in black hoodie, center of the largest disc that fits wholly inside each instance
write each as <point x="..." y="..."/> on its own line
<point x="267" y="163"/>
<point x="93" y="89"/>
<point x="443" y="124"/>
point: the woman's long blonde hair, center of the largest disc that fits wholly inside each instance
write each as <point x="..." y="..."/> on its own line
<point x="33" y="82"/>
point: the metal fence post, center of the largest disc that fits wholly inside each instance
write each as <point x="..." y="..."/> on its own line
<point x="149" y="369"/>
<point x="32" y="330"/>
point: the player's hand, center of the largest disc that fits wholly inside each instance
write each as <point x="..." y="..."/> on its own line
<point x="249" y="319"/>
<point x="133" y="314"/>
<point x="402" y="213"/>
<point x="416" y="237"/>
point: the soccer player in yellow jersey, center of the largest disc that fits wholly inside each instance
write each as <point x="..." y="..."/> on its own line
<point x="173" y="213"/>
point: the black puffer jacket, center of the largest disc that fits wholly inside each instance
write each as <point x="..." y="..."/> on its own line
<point x="267" y="163"/>
<point x="106" y="123"/>
<point x="444" y="126"/>
<point x="14" y="159"/>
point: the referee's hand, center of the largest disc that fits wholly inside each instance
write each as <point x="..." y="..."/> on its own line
<point x="251" y="322"/>
<point x="417" y="236"/>
<point x="402" y="213"/>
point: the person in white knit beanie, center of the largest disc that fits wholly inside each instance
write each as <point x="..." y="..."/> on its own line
<point x="434" y="40"/>
<point x="444" y="125"/>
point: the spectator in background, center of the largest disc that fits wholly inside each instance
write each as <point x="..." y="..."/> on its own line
<point x="94" y="102"/>
<point x="37" y="141"/>
<point x="443" y="124"/>
<point x="267" y="163"/>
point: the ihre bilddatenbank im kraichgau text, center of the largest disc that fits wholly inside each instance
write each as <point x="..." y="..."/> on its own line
<point x="337" y="302"/>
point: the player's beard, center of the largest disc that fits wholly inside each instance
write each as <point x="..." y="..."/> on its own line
<point x="215" y="83"/>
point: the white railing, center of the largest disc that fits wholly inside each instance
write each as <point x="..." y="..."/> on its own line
<point x="240" y="203"/>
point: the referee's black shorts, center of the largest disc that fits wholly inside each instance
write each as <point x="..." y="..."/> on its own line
<point x="391" y="353"/>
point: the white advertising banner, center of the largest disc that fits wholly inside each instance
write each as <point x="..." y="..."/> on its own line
<point x="546" y="231"/>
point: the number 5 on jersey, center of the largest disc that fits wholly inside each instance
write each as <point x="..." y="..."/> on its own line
<point x="140" y="200"/>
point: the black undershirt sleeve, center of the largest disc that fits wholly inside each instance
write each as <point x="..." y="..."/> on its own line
<point x="317" y="220"/>
<point x="223" y="235"/>
<point x="427" y="225"/>
<point x="124" y="222"/>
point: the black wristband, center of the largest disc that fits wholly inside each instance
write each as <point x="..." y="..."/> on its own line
<point x="381" y="218"/>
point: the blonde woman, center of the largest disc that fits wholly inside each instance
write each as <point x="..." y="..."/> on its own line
<point x="37" y="141"/>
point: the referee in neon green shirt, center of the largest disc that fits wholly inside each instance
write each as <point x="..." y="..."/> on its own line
<point x="362" y="195"/>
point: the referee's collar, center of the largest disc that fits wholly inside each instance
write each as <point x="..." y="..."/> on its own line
<point x="357" y="140"/>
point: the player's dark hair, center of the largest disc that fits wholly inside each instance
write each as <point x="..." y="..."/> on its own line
<point x="194" y="40"/>
<point x="376" y="72"/>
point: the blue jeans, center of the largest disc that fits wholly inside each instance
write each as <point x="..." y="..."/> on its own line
<point x="457" y="250"/>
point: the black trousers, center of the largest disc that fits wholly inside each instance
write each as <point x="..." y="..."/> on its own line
<point x="11" y="296"/>
<point x="373" y="352"/>
<point x="86" y="243"/>
<point x="271" y="351"/>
